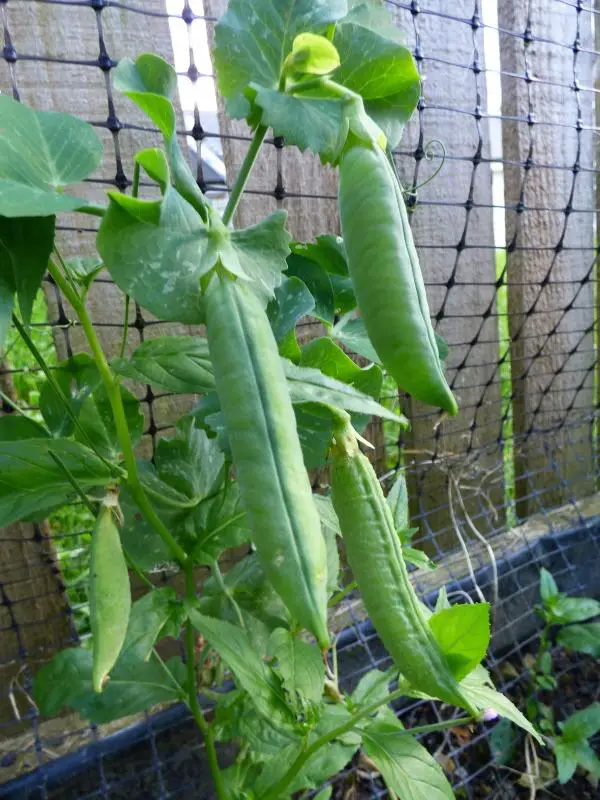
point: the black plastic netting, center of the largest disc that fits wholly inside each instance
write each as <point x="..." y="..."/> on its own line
<point x="507" y="236"/>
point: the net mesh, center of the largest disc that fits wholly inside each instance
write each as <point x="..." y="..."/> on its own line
<point x="507" y="238"/>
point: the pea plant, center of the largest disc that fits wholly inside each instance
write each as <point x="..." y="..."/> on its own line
<point x="332" y="77"/>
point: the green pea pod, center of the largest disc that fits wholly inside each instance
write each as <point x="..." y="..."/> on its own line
<point x="374" y="552"/>
<point x="386" y="275"/>
<point x="261" y="427"/>
<point x="110" y="596"/>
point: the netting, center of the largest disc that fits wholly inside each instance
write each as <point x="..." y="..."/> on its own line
<point x="507" y="238"/>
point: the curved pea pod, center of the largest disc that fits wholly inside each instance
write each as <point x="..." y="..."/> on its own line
<point x="386" y="275"/>
<point x="374" y="552"/>
<point x="261" y="427"/>
<point x="110" y="596"/>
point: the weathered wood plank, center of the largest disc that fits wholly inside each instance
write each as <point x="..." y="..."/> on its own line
<point x="549" y="193"/>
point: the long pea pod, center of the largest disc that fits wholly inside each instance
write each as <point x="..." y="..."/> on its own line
<point x="374" y="552"/>
<point x="110" y="596"/>
<point x="267" y="456"/>
<point x="386" y="275"/>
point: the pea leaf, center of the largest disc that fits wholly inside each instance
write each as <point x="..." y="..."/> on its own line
<point x="309" y="385"/>
<point x="157" y="252"/>
<point x="32" y="483"/>
<point x="300" y="665"/>
<point x="25" y="247"/>
<point x="149" y="616"/>
<point x="76" y="377"/>
<point x="292" y="301"/>
<point x="353" y="335"/>
<point x="220" y="525"/>
<point x="406" y="766"/>
<point x="372" y="687"/>
<point x="254" y="38"/>
<point x="98" y="425"/>
<point x="318" y="283"/>
<point x="41" y="152"/>
<point x="312" y="55"/>
<point x="330" y="527"/>
<point x="15" y="428"/>
<point x="581" y="638"/>
<point x="398" y="502"/>
<point x="418" y="558"/>
<point x="463" y="633"/>
<point x="84" y="269"/>
<point x="327" y="251"/>
<point x="315" y="431"/>
<point x="251" y="673"/>
<point x="175" y="363"/>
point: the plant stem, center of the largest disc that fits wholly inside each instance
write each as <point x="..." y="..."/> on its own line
<point x="244" y="173"/>
<point x="92" y="209"/>
<point x="337" y="598"/>
<point x="114" y="395"/>
<point x="216" y="570"/>
<point x="193" y="703"/>
<point x="135" y="190"/>
<point x="281" y="786"/>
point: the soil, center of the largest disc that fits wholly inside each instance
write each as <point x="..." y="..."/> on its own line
<point x="467" y="758"/>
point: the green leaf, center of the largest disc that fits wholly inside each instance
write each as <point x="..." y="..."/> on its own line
<point x="313" y="55"/>
<point x="372" y="687"/>
<point x="317" y="282"/>
<point x="292" y="301"/>
<point x="154" y="161"/>
<point x="254" y="38"/>
<point x="330" y="527"/>
<point x="151" y="83"/>
<point x="503" y="740"/>
<point x="220" y="525"/>
<point x="327" y="251"/>
<point x="353" y="335"/>
<point x="397" y="500"/>
<point x="581" y="638"/>
<point x="442" y="601"/>
<point x="405" y="765"/>
<point x="97" y="421"/>
<point x="77" y="377"/>
<point x="300" y="665"/>
<point x="25" y="248"/>
<point x="6" y="308"/>
<point x="463" y="633"/>
<point x="315" y="430"/>
<point x="252" y="674"/>
<point x="418" y="558"/>
<point x="32" y="483"/>
<point x="149" y="616"/>
<point x="563" y="609"/>
<point x="478" y="688"/>
<point x="324" y="794"/>
<point x="41" y="152"/>
<point x="566" y="759"/>
<point x="15" y="428"/>
<point x="176" y="363"/>
<point x="583" y="724"/>
<point x="442" y="347"/>
<point x="84" y="269"/>
<point x="329" y="519"/>
<point x="58" y="683"/>
<point x="548" y="587"/>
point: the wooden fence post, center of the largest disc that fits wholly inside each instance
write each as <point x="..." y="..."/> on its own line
<point x="549" y="145"/>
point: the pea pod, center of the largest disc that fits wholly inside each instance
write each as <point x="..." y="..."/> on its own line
<point x="261" y="427"/>
<point x="374" y="552"/>
<point x="386" y="275"/>
<point x="110" y="596"/>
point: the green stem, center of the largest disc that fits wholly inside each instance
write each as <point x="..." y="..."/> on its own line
<point x="244" y="173"/>
<point x="193" y="702"/>
<point x="116" y="401"/>
<point x="74" y="483"/>
<point x="216" y="570"/>
<point x="337" y="598"/>
<point x="135" y="190"/>
<point x="306" y="755"/>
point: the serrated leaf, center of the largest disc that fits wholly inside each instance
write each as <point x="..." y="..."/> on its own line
<point x="41" y="152"/>
<point x="300" y="665"/>
<point x="175" y="363"/>
<point x="98" y="425"/>
<point x="463" y="634"/>
<point x="581" y="638"/>
<point x="406" y="766"/>
<point x="254" y="37"/>
<point x="318" y="283"/>
<point x="478" y="688"/>
<point x="292" y="301"/>
<point x="25" y="248"/>
<point x="566" y="759"/>
<point x="234" y="646"/>
<point x="32" y="483"/>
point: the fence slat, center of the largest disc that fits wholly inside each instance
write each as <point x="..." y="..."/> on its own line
<point x="549" y="194"/>
<point x="453" y="230"/>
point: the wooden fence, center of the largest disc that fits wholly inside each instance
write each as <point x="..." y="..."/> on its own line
<point x="506" y="234"/>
